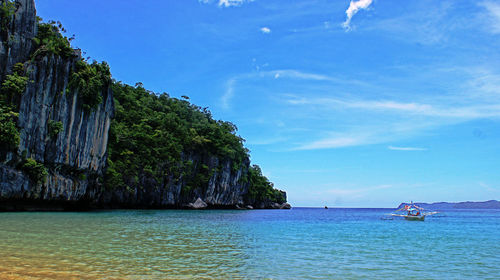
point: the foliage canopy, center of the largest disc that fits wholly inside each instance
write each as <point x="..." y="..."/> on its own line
<point x="260" y="188"/>
<point x="90" y="80"/>
<point x="14" y="84"/>
<point x="49" y="39"/>
<point x="36" y="171"/>
<point x="9" y="134"/>
<point x="54" y="128"/>
<point x="151" y="133"/>
<point x="7" y="9"/>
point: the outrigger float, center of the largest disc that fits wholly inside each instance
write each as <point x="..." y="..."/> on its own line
<point x="413" y="212"/>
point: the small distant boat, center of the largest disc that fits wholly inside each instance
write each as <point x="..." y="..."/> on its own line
<point x="326" y="207"/>
<point x="413" y="212"/>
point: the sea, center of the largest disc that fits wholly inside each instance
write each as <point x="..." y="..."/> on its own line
<point x="301" y="243"/>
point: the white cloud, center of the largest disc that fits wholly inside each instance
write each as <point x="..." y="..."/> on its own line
<point x="406" y="148"/>
<point x="366" y="135"/>
<point x="493" y="16"/>
<point x="265" y="30"/>
<point x="354" y="8"/>
<point x="287" y="73"/>
<point x="226" y="3"/>
<point x="334" y="142"/>
<point x="328" y="112"/>
<point x="294" y="74"/>
<point x="418" y="109"/>
<point x="391" y="121"/>
<point x="225" y="99"/>
<point x="488" y="187"/>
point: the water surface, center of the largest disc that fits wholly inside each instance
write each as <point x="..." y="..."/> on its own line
<point x="301" y="243"/>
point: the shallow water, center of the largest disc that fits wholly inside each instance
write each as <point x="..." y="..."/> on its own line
<point x="301" y="243"/>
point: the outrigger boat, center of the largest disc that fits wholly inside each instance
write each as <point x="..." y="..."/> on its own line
<point x="413" y="212"/>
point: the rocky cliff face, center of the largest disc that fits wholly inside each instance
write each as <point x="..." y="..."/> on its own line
<point x="76" y="157"/>
<point x="224" y="189"/>
<point x="16" y="35"/>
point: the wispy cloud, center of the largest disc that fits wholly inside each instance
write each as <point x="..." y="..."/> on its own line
<point x="353" y="9"/>
<point x="488" y="187"/>
<point x="320" y="116"/>
<point x="464" y="112"/>
<point x="334" y="142"/>
<point x="226" y="3"/>
<point x="228" y="94"/>
<point x="265" y="30"/>
<point x="365" y="135"/>
<point x="426" y="26"/>
<point x="406" y="148"/>
<point x="300" y="75"/>
<point x="493" y="15"/>
<point x="392" y="121"/>
<point x="275" y="74"/>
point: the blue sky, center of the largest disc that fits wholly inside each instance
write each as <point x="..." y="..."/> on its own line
<point x="347" y="104"/>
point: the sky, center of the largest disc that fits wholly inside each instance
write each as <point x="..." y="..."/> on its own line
<point x="365" y="103"/>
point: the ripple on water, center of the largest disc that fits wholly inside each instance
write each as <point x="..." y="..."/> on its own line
<point x="298" y="244"/>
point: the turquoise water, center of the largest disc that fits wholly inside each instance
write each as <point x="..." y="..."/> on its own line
<point x="300" y="243"/>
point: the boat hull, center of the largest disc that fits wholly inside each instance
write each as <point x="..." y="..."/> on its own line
<point x="414" y="218"/>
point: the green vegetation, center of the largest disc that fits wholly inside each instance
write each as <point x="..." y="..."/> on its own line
<point x="49" y="40"/>
<point x="54" y="128"/>
<point x="90" y="80"/>
<point x="152" y="136"/>
<point x="260" y="187"/>
<point x="11" y="89"/>
<point x="152" y="132"/>
<point x="9" y="135"/>
<point x="35" y="171"/>
<point x="14" y="84"/>
<point x="155" y="135"/>
<point x="7" y="9"/>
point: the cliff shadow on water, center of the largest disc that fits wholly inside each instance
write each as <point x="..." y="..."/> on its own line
<point x="71" y="137"/>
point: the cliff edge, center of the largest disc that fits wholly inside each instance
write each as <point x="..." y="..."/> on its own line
<point x="63" y="144"/>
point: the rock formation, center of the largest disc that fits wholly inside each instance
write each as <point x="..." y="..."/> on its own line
<point x="76" y="157"/>
<point x="80" y="148"/>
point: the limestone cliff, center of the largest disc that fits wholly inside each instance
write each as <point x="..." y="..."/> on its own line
<point x="224" y="189"/>
<point x="17" y="31"/>
<point x="76" y="157"/>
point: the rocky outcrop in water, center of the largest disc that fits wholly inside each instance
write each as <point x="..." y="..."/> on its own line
<point x="198" y="204"/>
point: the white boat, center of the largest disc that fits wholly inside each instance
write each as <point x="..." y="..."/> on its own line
<point x="413" y="212"/>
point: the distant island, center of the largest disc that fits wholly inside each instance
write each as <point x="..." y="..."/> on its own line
<point x="490" y="204"/>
